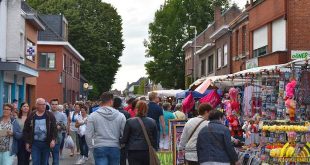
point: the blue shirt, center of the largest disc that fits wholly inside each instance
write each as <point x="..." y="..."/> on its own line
<point x="40" y="128"/>
<point x="155" y="112"/>
<point x="167" y="116"/>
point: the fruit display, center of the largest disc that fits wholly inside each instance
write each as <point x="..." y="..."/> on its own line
<point x="287" y="142"/>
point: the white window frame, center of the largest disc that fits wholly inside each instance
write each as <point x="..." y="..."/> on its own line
<point x="225" y="49"/>
<point x="219" y="57"/>
<point x="47" y="62"/>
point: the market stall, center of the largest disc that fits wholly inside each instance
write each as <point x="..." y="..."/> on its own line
<point x="266" y="108"/>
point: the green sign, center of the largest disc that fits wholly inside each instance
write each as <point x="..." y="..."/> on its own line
<point x="299" y="54"/>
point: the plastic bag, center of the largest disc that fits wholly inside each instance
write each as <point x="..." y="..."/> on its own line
<point x="69" y="142"/>
<point x="82" y="130"/>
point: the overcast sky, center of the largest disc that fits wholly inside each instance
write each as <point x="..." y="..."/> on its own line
<point x="136" y="15"/>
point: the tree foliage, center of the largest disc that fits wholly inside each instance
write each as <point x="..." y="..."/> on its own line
<point x="169" y="31"/>
<point x="95" y="30"/>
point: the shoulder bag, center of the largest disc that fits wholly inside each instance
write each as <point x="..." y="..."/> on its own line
<point x="152" y="153"/>
<point x="190" y="136"/>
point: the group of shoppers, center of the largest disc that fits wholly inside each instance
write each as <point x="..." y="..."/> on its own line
<point x="114" y="134"/>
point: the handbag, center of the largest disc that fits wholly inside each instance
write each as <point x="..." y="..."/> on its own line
<point x="154" y="160"/>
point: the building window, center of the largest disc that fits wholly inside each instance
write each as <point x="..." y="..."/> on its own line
<point x="243" y="39"/>
<point x="71" y="66"/>
<point x="219" y="57"/>
<point x="210" y="64"/>
<point x="47" y="60"/>
<point x="225" y="54"/>
<point x="64" y="62"/>
<point x="260" y="41"/>
<point x="73" y="70"/>
<point x="237" y="42"/>
<point x="30" y="55"/>
<point x="260" y="52"/>
<point x="279" y="35"/>
<point x="203" y="68"/>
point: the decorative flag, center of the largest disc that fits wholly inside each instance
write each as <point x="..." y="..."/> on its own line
<point x="30" y="50"/>
<point x="212" y="98"/>
<point x="188" y="103"/>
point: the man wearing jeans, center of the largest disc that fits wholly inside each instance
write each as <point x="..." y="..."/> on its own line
<point x="61" y="122"/>
<point x="105" y="127"/>
<point x="40" y="133"/>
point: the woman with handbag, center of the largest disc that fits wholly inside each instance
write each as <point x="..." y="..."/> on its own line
<point x="140" y="136"/>
<point x="214" y="145"/>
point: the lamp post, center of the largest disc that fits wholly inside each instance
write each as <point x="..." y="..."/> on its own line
<point x="194" y="54"/>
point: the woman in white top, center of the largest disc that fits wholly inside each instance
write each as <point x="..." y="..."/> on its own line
<point x="73" y="117"/>
<point x="81" y="123"/>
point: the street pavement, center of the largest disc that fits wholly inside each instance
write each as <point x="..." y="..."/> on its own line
<point x="67" y="160"/>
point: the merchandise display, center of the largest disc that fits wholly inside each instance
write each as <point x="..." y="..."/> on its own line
<point x="268" y="109"/>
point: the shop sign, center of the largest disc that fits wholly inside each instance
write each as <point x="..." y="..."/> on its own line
<point x="252" y="63"/>
<point x="297" y="54"/>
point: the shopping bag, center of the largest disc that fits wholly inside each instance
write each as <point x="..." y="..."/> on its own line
<point x="69" y="142"/>
<point x="188" y="103"/>
<point x="82" y="130"/>
<point x="212" y="98"/>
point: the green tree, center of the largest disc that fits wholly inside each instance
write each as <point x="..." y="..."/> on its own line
<point x="136" y="90"/>
<point x="142" y="86"/>
<point x="169" y="31"/>
<point x="95" y="30"/>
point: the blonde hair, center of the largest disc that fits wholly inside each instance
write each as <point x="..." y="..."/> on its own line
<point x="152" y="96"/>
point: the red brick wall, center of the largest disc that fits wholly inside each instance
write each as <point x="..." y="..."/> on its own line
<point x="219" y="43"/>
<point x="298" y="18"/>
<point x="237" y="47"/>
<point x="48" y="85"/>
<point x="265" y="12"/>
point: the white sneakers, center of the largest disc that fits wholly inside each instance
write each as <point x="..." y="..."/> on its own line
<point x="81" y="160"/>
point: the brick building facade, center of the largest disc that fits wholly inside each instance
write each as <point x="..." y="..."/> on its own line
<point x="59" y="62"/>
<point x="267" y="32"/>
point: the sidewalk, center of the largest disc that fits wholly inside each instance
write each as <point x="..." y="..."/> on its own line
<point x="67" y="159"/>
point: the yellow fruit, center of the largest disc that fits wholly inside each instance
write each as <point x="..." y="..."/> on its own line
<point x="290" y="152"/>
<point x="283" y="150"/>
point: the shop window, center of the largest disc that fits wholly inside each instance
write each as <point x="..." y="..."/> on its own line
<point x="210" y="64"/>
<point x="47" y="61"/>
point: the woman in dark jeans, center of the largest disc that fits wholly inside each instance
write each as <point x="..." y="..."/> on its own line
<point x="214" y="145"/>
<point x="23" y="155"/>
<point x="133" y="137"/>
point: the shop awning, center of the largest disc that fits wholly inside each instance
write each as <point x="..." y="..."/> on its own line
<point x="18" y="68"/>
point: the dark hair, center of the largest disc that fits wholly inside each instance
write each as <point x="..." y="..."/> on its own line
<point x="215" y="115"/>
<point x="106" y="97"/>
<point x="117" y="102"/>
<point x="142" y="108"/>
<point x="134" y="103"/>
<point x="203" y="108"/>
<point x="20" y="113"/>
<point x="129" y="101"/>
<point x="54" y="100"/>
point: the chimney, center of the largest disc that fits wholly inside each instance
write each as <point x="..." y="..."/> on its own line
<point x="217" y="13"/>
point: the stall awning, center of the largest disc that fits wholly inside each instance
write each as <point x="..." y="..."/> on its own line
<point x="168" y="93"/>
